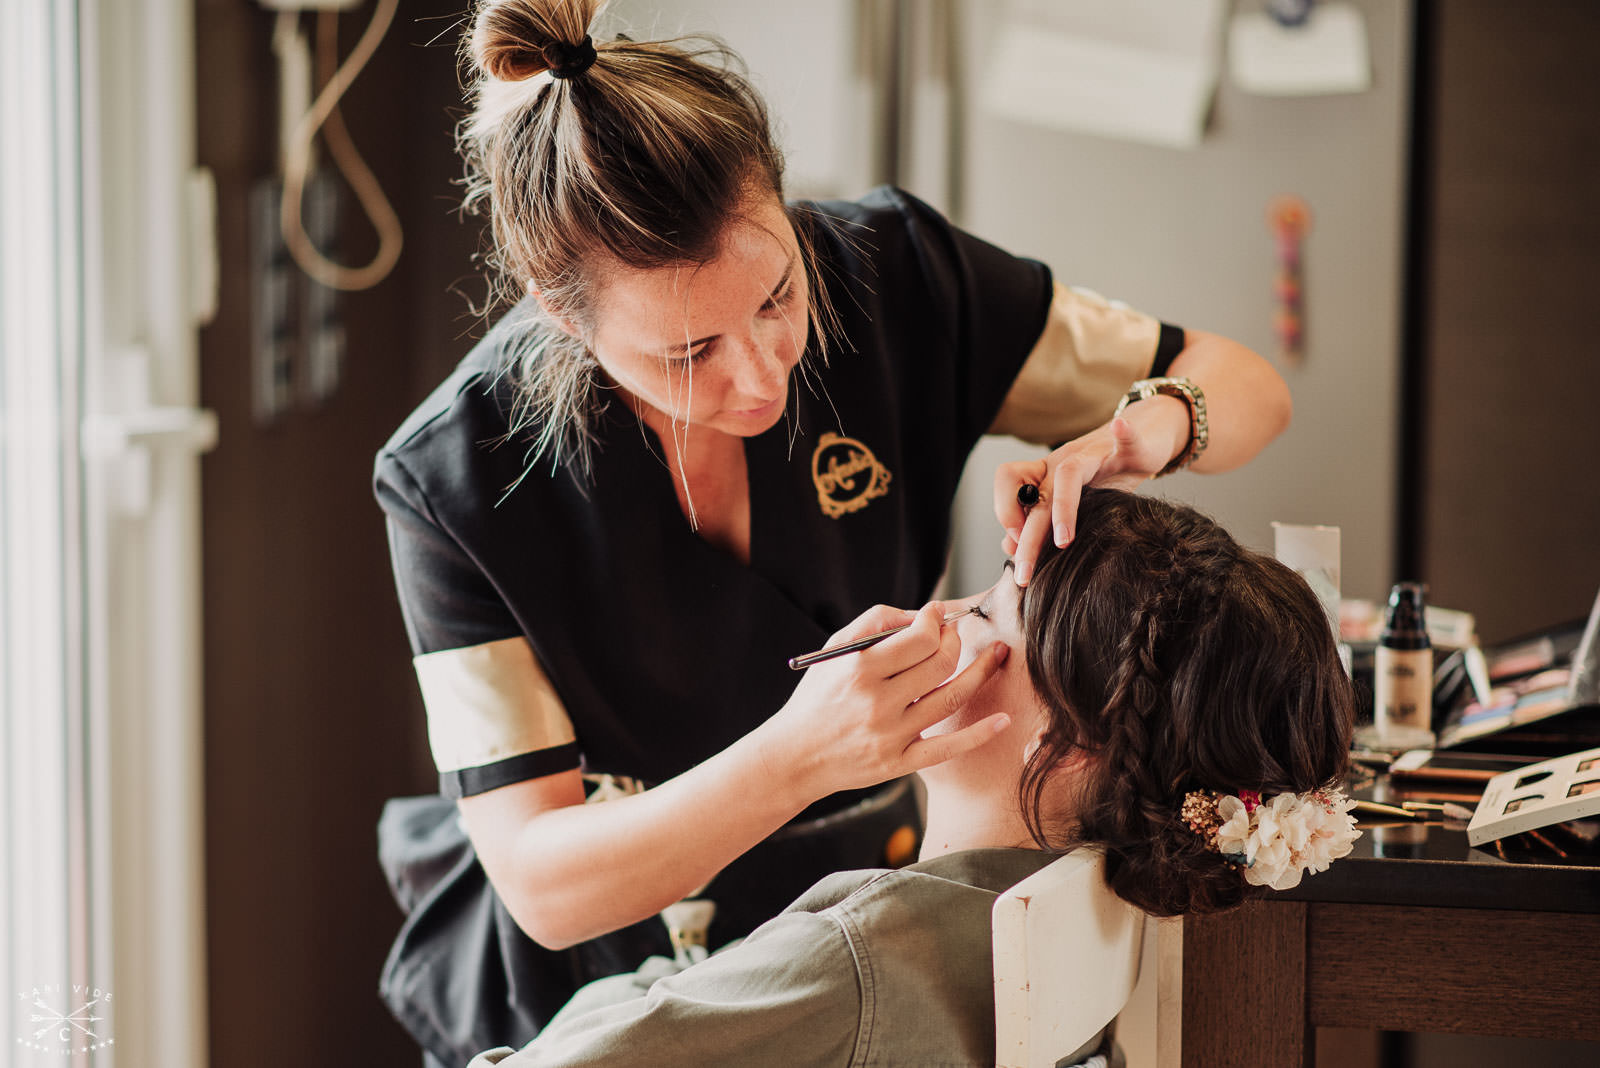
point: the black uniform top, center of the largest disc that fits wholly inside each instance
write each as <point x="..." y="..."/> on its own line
<point x="580" y="621"/>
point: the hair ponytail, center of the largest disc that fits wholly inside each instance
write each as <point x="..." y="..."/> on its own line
<point x="512" y="42"/>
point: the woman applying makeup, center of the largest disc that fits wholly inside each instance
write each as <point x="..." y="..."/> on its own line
<point x="713" y="428"/>
<point x="1226" y="692"/>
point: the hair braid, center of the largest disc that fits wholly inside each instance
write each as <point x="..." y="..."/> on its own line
<point x="1174" y="660"/>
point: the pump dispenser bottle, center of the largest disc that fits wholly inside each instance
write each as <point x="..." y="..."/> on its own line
<point x="1402" y="706"/>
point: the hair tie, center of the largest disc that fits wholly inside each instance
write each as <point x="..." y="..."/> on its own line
<point x="1276" y="841"/>
<point x="569" y="60"/>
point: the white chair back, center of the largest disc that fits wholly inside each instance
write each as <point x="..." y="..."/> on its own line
<point x="1066" y="957"/>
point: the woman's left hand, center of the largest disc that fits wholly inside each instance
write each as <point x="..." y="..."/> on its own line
<point x="1248" y="405"/>
<point x="1120" y="454"/>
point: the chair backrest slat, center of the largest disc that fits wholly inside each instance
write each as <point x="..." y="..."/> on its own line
<point x="1066" y="957"/>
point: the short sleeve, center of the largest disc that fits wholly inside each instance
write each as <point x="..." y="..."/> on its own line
<point x="494" y="718"/>
<point x="789" y="995"/>
<point x="988" y="305"/>
<point x="1089" y="352"/>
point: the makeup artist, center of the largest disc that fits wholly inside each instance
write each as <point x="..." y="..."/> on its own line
<point x="712" y="430"/>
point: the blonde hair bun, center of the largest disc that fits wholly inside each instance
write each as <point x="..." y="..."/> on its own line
<point x="514" y="40"/>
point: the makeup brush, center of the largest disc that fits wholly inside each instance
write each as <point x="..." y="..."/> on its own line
<point x="1414" y="810"/>
<point x="805" y="660"/>
<point x="1448" y="810"/>
<point x="1027" y="495"/>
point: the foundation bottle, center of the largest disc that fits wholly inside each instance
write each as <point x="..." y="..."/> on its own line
<point x="1402" y="687"/>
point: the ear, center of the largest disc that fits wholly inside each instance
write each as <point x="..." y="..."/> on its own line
<point x="567" y="326"/>
<point x="1033" y="745"/>
<point x="1076" y="761"/>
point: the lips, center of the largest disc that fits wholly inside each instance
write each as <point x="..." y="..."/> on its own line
<point x="765" y="409"/>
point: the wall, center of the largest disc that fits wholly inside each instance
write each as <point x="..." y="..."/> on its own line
<point x="311" y="713"/>
<point x="1507" y="509"/>
<point x="1182" y="234"/>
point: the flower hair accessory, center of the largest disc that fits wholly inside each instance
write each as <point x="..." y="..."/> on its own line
<point x="1276" y="841"/>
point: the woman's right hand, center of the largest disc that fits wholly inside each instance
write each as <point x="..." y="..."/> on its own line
<point x="570" y="871"/>
<point x="857" y="720"/>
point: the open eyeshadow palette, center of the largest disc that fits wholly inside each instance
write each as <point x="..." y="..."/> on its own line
<point x="1538" y="795"/>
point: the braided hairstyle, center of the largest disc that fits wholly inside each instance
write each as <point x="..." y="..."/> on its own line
<point x="1175" y="660"/>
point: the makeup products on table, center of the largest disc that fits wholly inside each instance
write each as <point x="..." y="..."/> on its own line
<point x="1411" y="811"/>
<point x="1313" y="551"/>
<point x="1538" y="694"/>
<point x="1433" y="769"/>
<point x="1538" y="795"/>
<point x="1402" y="685"/>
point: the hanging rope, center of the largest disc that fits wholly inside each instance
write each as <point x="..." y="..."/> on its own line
<point x="324" y="113"/>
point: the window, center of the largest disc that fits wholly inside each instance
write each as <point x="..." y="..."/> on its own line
<point x="101" y="916"/>
<point x="43" y="908"/>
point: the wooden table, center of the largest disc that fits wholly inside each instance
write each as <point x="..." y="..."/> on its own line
<point x="1424" y="935"/>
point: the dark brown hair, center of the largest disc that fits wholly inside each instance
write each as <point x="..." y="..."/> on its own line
<point x="643" y="158"/>
<point x="1175" y="660"/>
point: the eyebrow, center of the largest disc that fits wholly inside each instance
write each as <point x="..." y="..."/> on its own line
<point x="673" y="351"/>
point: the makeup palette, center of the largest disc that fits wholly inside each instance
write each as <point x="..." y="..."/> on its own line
<point x="1538" y="795"/>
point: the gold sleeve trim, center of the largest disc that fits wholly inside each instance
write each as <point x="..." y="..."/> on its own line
<point x="489" y="702"/>
<point x="1091" y="349"/>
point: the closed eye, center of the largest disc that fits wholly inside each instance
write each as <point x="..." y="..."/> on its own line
<point x="779" y="300"/>
<point x="782" y="295"/>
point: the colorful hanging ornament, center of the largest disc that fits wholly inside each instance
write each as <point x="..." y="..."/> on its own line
<point x="1289" y="218"/>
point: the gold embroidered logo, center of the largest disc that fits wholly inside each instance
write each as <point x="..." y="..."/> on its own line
<point x="847" y="475"/>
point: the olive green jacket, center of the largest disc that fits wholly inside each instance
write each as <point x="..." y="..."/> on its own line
<point x="868" y="968"/>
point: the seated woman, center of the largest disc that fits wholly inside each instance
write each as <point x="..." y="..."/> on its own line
<point x="1178" y="704"/>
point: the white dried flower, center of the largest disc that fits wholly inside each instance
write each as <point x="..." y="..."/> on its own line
<point x="1278" y="841"/>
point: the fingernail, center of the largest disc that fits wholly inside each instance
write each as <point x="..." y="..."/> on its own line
<point x="1001" y="652"/>
<point x="1002" y="723"/>
<point x="1063" y="535"/>
<point x="1020" y="573"/>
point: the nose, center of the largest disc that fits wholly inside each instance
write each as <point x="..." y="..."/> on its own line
<point x="764" y="372"/>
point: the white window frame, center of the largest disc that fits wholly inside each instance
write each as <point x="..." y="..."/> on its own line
<point x="43" y="914"/>
<point x="101" y="728"/>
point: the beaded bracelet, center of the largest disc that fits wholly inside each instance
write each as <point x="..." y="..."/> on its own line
<point x="1192" y="397"/>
